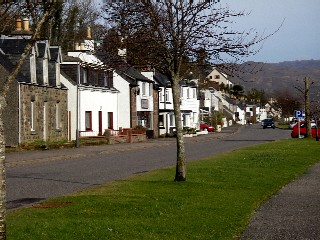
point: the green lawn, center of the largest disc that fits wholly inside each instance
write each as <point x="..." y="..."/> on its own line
<point x="216" y="201"/>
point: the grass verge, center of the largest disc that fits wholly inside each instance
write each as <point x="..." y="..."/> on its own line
<point x="216" y="201"/>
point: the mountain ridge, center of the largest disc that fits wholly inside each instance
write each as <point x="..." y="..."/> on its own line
<point x="273" y="77"/>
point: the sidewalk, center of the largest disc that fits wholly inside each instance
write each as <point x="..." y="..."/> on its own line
<point x="293" y="213"/>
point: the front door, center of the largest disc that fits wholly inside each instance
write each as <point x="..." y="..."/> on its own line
<point x="110" y="120"/>
<point x="100" y="122"/>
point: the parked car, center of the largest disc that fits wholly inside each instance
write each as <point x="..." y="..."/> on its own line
<point x="206" y="127"/>
<point x="303" y="130"/>
<point x="267" y="123"/>
<point x="292" y="123"/>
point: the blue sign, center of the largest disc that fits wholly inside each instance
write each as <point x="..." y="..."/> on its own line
<point x="298" y="113"/>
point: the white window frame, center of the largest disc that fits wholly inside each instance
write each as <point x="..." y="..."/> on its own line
<point x="85" y="75"/>
<point x="150" y="89"/>
<point x="144" y="88"/>
<point x="161" y="95"/>
<point x="167" y="96"/>
<point x="58" y="115"/>
<point x="45" y="72"/>
<point x="32" y="116"/>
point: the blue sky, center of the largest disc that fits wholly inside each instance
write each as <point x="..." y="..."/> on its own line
<point x="299" y="36"/>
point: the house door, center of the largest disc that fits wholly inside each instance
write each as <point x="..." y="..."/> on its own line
<point x="100" y="122"/>
<point x="110" y="120"/>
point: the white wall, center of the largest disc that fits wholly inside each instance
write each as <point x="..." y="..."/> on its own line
<point x="123" y="100"/>
<point x="146" y="95"/>
<point x="189" y="102"/>
<point x="72" y="106"/>
<point x="96" y="101"/>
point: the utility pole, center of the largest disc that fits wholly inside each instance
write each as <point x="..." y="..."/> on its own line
<point x="307" y="105"/>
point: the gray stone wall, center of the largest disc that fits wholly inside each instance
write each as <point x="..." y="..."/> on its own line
<point x="45" y="101"/>
<point x="11" y="116"/>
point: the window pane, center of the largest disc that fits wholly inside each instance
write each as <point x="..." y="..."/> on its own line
<point x="88" y="120"/>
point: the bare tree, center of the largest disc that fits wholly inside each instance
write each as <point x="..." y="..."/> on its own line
<point x="305" y="92"/>
<point x="71" y="21"/>
<point x="287" y="102"/>
<point x="48" y="11"/>
<point x="175" y="29"/>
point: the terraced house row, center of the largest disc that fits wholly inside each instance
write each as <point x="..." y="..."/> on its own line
<point x="63" y="96"/>
<point x="58" y="97"/>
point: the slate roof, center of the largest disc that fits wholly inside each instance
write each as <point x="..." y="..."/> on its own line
<point x="162" y="79"/>
<point x="74" y="83"/>
<point x="41" y="46"/>
<point x="188" y="83"/>
<point x="66" y="58"/>
<point x="54" y="53"/>
<point x="13" y="46"/>
<point x="6" y="64"/>
<point x="131" y="72"/>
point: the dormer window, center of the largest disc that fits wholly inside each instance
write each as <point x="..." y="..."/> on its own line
<point x="108" y="79"/>
<point x="84" y="76"/>
<point x="33" y="70"/>
<point x="45" y="71"/>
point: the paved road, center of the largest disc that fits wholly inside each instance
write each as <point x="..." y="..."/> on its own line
<point x="37" y="175"/>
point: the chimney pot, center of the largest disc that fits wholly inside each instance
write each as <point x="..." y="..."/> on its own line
<point x="88" y="33"/>
<point x="76" y="46"/>
<point x="26" y="24"/>
<point x="18" y="24"/>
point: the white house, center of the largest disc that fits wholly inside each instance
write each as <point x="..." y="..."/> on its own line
<point x="219" y="77"/>
<point x="189" y="104"/>
<point x="135" y="98"/>
<point x="166" y="114"/>
<point x="93" y="100"/>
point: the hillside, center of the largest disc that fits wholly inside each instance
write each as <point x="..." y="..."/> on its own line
<point x="272" y="77"/>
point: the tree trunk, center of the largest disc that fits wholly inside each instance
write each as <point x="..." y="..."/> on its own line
<point x="180" y="167"/>
<point x="2" y="175"/>
<point x="307" y="106"/>
<point x="4" y="92"/>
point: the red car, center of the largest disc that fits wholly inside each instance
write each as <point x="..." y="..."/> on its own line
<point x="303" y="130"/>
<point x="205" y="126"/>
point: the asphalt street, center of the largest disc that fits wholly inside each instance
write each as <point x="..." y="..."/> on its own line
<point x="33" y="176"/>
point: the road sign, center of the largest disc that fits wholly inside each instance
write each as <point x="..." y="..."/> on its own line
<point x="298" y="113"/>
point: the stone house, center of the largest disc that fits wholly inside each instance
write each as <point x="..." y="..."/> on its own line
<point x="37" y="101"/>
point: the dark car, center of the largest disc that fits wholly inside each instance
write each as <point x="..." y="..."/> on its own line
<point x="268" y="123"/>
<point x="206" y="127"/>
